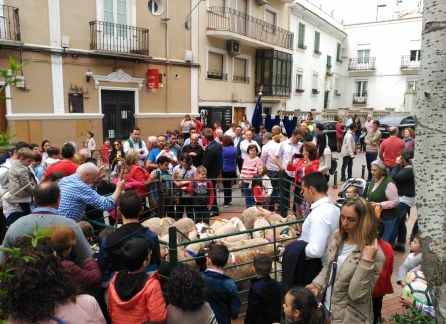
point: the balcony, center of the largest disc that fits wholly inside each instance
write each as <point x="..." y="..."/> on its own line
<point x="216" y="75"/>
<point x="408" y="63"/>
<point x="9" y="24"/>
<point x="224" y="22"/>
<point x="117" y="38"/>
<point x="361" y="64"/>
<point x="360" y="99"/>
<point x="240" y="78"/>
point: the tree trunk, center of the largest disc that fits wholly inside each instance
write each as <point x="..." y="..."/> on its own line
<point x="430" y="152"/>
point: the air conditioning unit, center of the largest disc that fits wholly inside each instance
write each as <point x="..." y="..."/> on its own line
<point x="233" y="47"/>
<point x="262" y="2"/>
<point x="188" y="56"/>
<point x="20" y="81"/>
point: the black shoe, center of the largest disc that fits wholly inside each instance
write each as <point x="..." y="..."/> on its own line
<point x="399" y="248"/>
<point x="343" y="179"/>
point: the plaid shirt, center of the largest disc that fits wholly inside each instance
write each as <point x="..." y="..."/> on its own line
<point x="76" y="195"/>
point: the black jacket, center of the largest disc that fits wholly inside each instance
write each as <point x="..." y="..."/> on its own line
<point x="198" y="159"/>
<point x="404" y="180"/>
<point x="212" y="159"/>
<point x="264" y="301"/>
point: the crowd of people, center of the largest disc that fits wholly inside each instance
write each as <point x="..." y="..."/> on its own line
<point x="339" y="269"/>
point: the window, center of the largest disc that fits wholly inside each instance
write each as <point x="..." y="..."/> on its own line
<point x="215" y="66"/>
<point x="415" y="55"/>
<point x="338" y="53"/>
<point x="155" y="7"/>
<point x="314" y="83"/>
<point x="240" y="70"/>
<point x="363" y="56"/>
<point x="301" y="37"/>
<point x="115" y="12"/>
<point x="360" y="95"/>
<point x="299" y="84"/>
<point x="273" y="72"/>
<point x="336" y="87"/>
<point x="411" y="86"/>
<point x="328" y="62"/>
<point x="317" y="40"/>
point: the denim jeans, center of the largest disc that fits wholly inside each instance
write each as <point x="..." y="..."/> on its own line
<point x="389" y="227"/>
<point x="369" y="158"/>
<point x="247" y="192"/>
<point x="400" y="231"/>
<point x="347" y="163"/>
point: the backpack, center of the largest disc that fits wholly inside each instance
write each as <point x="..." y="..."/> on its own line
<point x="334" y="166"/>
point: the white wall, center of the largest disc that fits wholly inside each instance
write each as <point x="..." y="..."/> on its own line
<point x="387" y="84"/>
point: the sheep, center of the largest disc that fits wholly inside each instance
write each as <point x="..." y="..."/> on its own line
<point x="266" y="233"/>
<point x="159" y="225"/>
<point x="250" y="214"/>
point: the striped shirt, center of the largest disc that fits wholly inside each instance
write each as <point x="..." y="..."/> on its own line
<point x="249" y="169"/>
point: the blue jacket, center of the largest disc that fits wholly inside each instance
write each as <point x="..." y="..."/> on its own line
<point x="222" y="295"/>
<point x="264" y="301"/>
<point x="229" y="159"/>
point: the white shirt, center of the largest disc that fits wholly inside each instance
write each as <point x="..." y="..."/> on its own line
<point x="244" y="147"/>
<point x="230" y="133"/>
<point x="143" y="155"/>
<point x="268" y="154"/>
<point x="319" y="227"/>
<point x="285" y="152"/>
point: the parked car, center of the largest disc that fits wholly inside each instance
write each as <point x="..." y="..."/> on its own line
<point x="330" y="131"/>
<point x="401" y="121"/>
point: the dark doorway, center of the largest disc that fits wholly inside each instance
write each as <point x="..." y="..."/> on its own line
<point x="3" y="122"/>
<point x="118" y="108"/>
<point x="326" y="98"/>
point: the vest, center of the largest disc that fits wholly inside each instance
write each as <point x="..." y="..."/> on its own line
<point x="379" y="195"/>
<point x="131" y="143"/>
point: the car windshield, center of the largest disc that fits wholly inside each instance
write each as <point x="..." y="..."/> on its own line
<point x="391" y="120"/>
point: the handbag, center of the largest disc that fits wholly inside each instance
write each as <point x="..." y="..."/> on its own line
<point x="329" y="282"/>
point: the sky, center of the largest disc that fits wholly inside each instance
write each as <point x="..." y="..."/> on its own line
<point x="354" y="11"/>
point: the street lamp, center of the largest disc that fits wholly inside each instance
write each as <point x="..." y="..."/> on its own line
<point x="377" y="7"/>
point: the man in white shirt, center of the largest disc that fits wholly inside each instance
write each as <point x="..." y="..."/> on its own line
<point x="284" y="154"/>
<point x="135" y="142"/>
<point x="245" y="143"/>
<point x="231" y="131"/>
<point x="321" y="223"/>
<point x="269" y="149"/>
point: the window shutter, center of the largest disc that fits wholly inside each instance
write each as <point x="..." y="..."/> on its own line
<point x="215" y="62"/>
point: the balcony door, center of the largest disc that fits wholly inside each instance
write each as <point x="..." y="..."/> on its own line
<point x="363" y="56"/>
<point x="241" y="20"/>
<point x="118" y="108"/>
<point x="360" y="95"/>
<point x="113" y="33"/>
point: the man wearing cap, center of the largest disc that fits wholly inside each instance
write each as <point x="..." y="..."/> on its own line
<point x="269" y="149"/>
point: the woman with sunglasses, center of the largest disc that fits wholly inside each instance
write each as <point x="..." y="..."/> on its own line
<point x="354" y="263"/>
<point x="116" y="155"/>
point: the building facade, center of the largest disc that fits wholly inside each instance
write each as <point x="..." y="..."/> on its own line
<point x="96" y="65"/>
<point x="245" y="47"/>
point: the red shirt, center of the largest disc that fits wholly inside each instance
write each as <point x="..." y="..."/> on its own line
<point x="104" y="150"/>
<point x="339" y="129"/>
<point x="383" y="285"/>
<point x="390" y="149"/>
<point x="67" y="168"/>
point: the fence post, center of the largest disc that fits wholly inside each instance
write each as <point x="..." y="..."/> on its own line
<point x="173" y="254"/>
<point x="335" y="179"/>
<point x="363" y="172"/>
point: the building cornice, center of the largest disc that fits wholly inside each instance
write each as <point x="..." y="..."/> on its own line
<point x="48" y="116"/>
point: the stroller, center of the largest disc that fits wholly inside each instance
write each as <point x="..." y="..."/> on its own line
<point x="359" y="183"/>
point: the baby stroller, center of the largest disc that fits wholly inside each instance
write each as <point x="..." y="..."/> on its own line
<point x="359" y="183"/>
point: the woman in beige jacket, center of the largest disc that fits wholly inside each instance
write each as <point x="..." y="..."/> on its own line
<point x="354" y="264"/>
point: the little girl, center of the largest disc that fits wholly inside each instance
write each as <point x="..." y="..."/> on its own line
<point x="170" y="154"/>
<point x="261" y="186"/>
<point x="302" y="307"/>
<point x="412" y="261"/>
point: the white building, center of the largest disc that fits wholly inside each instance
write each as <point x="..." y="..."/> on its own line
<point x="361" y="66"/>
<point x="382" y="71"/>
<point x="317" y="63"/>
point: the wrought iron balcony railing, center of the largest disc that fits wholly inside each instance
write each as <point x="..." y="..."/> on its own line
<point x="360" y="99"/>
<point x="228" y="19"/>
<point x="9" y="23"/>
<point x="117" y="38"/>
<point x="361" y="64"/>
<point x="408" y="63"/>
<point x="217" y="75"/>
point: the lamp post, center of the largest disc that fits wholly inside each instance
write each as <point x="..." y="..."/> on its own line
<point x="377" y="7"/>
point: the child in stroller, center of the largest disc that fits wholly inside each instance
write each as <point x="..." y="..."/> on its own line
<point x="353" y="187"/>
